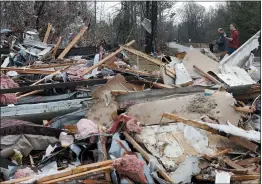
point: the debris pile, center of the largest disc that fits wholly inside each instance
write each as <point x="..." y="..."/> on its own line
<point x="128" y="117"/>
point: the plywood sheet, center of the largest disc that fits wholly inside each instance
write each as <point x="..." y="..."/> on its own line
<point x="193" y="106"/>
<point x="194" y="57"/>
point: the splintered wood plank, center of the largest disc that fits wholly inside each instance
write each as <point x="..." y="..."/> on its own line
<point x="105" y="59"/>
<point x="47" y="33"/>
<point x="27" y="70"/>
<point x="73" y="42"/>
<point x="232" y="164"/>
<point x="248" y="161"/>
<point x="57" y="46"/>
<point x="244" y="142"/>
<point x="143" y="55"/>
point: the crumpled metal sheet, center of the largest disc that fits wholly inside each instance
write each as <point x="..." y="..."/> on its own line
<point x="26" y="142"/>
<point x="234" y="75"/>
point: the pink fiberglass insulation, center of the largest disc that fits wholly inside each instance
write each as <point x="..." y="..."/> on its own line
<point x="6" y="83"/>
<point x="85" y="127"/>
<point x="133" y="125"/>
<point x="131" y="167"/>
<point x="21" y="173"/>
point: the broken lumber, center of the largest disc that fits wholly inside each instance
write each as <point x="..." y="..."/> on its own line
<point x="243" y="142"/>
<point x="223" y="130"/>
<point x="76" y="170"/>
<point x="232" y="164"/>
<point x="73" y="42"/>
<point x="15" y="181"/>
<point x="245" y="177"/>
<point x="248" y="161"/>
<point x="245" y="109"/>
<point x="143" y="55"/>
<point x="207" y="75"/>
<point x="27" y="70"/>
<point x="28" y="94"/>
<point x="102" y="169"/>
<point x="47" y="33"/>
<point x="223" y="152"/>
<point x="120" y="92"/>
<point x="57" y="46"/>
<point x="190" y="123"/>
<point x="145" y="155"/>
<point x="105" y="59"/>
<point x="49" y="76"/>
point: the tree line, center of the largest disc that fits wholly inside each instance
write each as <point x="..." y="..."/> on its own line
<point x="167" y="22"/>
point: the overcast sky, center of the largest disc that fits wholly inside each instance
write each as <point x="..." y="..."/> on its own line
<point x="112" y="7"/>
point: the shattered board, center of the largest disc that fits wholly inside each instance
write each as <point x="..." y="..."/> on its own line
<point x="200" y="60"/>
<point x="100" y="113"/>
<point x="178" y="147"/>
<point x="194" y="106"/>
<point x="117" y="83"/>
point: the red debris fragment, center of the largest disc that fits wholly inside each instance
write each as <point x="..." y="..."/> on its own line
<point x="132" y="124"/>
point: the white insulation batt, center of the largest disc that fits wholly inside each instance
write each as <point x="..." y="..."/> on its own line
<point x="178" y="147"/>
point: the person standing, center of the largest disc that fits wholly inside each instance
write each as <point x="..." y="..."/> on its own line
<point x="222" y="43"/>
<point x="233" y="41"/>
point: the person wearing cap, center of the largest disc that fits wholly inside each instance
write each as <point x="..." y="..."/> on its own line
<point x="222" y="43"/>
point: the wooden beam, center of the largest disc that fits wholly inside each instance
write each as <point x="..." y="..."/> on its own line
<point x="49" y="76"/>
<point x="61" y="85"/>
<point x="15" y="181"/>
<point x="248" y="161"/>
<point x="190" y="123"/>
<point x="244" y="142"/>
<point x="57" y="46"/>
<point x="79" y="169"/>
<point x="105" y="59"/>
<point x="73" y="42"/>
<point x="143" y="55"/>
<point x="145" y="155"/>
<point x="27" y="70"/>
<point x="28" y="94"/>
<point x="102" y="169"/>
<point x="204" y="74"/>
<point x="223" y="152"/>
<point x="238" y="140"/>
<point x="47" y="33"/>
<point x="245" y="177"/>
<point x="232" y="164"/>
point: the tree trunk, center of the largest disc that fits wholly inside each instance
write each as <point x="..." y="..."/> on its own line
<point x="153" y="26"/>
<point x="147" y="34"/>
<point x="38" y="10"/>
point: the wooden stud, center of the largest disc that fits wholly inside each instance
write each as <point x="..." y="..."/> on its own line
<point x="73" y="42"/>
<point x="57" y="46"/>
<point x="47" y="33"/>
<point x="105" y="59"/>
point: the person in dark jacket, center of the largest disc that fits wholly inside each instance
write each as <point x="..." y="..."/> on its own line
<point x="222" y="43"/>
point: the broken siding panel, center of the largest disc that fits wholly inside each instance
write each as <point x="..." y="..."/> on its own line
<point x="234" y="76"/>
